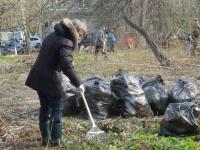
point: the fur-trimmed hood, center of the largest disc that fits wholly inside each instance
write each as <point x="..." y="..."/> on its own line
<point x="66" y="28"/>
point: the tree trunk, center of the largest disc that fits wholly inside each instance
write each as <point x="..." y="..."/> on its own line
<point x="156" y="51"/>
<point x="143" y="8"/>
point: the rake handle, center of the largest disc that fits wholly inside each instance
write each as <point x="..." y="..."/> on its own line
<point x="88" y="110"/>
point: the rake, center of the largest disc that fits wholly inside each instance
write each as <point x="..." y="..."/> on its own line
<point x="94" y="132"/>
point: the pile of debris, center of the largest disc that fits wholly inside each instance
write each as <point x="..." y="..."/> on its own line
<point x="126" y="95"/>
<point x="122" y="96"/>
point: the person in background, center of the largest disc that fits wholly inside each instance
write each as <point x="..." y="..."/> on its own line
<point x="112" y="40"/>
<point x="45" y="76"/>
<point x="100" y="43"/>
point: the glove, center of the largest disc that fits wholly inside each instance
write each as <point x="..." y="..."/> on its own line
<point x="81" y="89"/>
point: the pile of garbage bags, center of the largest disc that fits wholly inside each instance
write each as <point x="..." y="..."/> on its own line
<point x="127" y="95"/>
<point x="182" y="113"/>
<point x="122" y="96"/>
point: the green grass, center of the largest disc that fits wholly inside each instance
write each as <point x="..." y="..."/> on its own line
<point x="9" y="58"/>
<point x="121" y="138"/>
<point x="135" y="61"/>
<point x="85" y="63"/>
<point x="11" y="79"/>
<point x="10" y="72"/>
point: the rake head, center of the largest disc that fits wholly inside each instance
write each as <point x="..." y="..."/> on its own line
<point x="96" y="134"/>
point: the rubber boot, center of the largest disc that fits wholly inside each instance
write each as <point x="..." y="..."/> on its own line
<point x="56" y="136"/>
<point x="45" y="133"/>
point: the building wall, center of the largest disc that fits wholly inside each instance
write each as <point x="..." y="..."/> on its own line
<point x="79" y="11"/>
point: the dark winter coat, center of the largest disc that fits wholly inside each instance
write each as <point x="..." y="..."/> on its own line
<point x="55" y="56"/>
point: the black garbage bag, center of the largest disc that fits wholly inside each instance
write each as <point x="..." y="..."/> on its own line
<point x="72" y="105"/>
<point x="67" y="86"/>
<point x="130" y="96"/>
<point x="182" y="91"/>
<point x="155" y="82"/>
<point x="156" y="95"/>
<point x="98" y="96"/>
<point x="179" y="119"/>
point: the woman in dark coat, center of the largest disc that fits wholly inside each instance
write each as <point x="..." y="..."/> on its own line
<point x="45" y="76"/>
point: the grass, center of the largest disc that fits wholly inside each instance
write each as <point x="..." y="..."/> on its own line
<point x="9" y="58"/>
<point x="135" y="61"/>
<point x="133" y="138"/>
<point x="86" y="64"/>
<point x="123" y="134"/>
<point x="10" y="70"/>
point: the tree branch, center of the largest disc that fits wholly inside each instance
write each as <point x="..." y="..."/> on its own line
<point x="155" y="49"/>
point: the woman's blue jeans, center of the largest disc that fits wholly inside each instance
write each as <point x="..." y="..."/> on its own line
<point x="50" y="116"/>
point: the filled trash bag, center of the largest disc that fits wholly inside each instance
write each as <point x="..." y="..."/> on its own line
<point x="98" y="96"/>
<point x="71" y="105"/>
<point x="182" y="91"/>
<point x="155" y="82"/>
<point x="156" y="95"/>
<point x="179" y="119"/>
<point x="130" y="96"/>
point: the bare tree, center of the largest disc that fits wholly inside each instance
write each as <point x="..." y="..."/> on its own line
<point x="156" y="51"/>
<point x="124" y="9"/>
<point x="164" y="61"/>
<point x="6" y="6"/>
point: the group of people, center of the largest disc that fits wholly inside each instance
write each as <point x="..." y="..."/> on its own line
<point x="105" y="40"/>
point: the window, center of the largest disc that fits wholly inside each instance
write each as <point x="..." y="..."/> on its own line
<point x="83" y="4"/>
